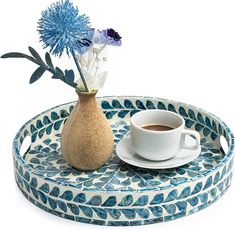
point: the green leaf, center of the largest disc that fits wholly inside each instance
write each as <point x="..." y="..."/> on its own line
<point x="189" y="123"/>
<point x="17" y="55"/>
<point x="48" y="60"/>
<point x="59" y="74"/>
<point x="69" y="75"/>
<point x="41" y="133"/>
<point x="73" y="84"/>
<point x="58" y="124"/>
<point x="56" y="76"/>
<point x="37" y="74"/>
<point x="36" y="55"/>
<point x="49" y="129"/>
<point x="59" y="71"/>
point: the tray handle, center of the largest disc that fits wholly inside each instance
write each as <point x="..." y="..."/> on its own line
<point x="224" y="144"/>
<point x="25" y="146"/>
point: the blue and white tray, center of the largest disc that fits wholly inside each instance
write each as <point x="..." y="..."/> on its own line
<point x="118" y="193"/>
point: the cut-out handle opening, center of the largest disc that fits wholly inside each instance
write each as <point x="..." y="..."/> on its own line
<point x="224" y="144"/>
<point x="25" y="146"/>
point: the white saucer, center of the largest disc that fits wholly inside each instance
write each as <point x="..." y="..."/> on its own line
<point x="126" y="153"/>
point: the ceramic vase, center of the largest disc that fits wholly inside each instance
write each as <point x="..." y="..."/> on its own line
<point x="87" y="138"/>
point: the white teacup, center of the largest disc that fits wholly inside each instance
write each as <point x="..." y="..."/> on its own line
<point x="160" y="145"/>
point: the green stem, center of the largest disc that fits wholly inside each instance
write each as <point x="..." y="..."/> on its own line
<point x="81" y="74"/>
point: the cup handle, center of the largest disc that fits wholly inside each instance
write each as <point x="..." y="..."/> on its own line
<point x="195" y="134"/>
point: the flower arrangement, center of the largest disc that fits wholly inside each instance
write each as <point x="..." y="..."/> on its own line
<point x="62" y="28"/>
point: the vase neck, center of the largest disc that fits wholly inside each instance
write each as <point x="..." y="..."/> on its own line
<point x="85" y="97"/>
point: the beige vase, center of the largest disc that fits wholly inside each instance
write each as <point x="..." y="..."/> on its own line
<point x="87" y="138"/>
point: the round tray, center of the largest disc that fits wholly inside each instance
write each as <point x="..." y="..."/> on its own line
<point x="118" y="193"/>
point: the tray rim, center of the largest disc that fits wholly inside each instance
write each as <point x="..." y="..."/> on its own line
<point x="228" y="155"/>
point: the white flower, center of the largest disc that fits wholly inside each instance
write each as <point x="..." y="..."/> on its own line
<point x="91" y="64"/>
<point x="94" y="82"/>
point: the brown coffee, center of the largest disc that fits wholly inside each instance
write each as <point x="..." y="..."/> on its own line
<point x="157" y="127"/>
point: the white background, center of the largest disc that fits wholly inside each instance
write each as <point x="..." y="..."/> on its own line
<point x="181" y="50"/>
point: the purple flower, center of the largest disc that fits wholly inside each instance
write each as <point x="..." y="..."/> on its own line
<point x="108" y="37"/>
<point x="113" y="34"/>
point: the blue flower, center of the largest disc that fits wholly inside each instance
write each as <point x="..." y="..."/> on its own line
<point x="82" y="50"/>
<point x="108" y="37"/>
<point x="60" y="27"/>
